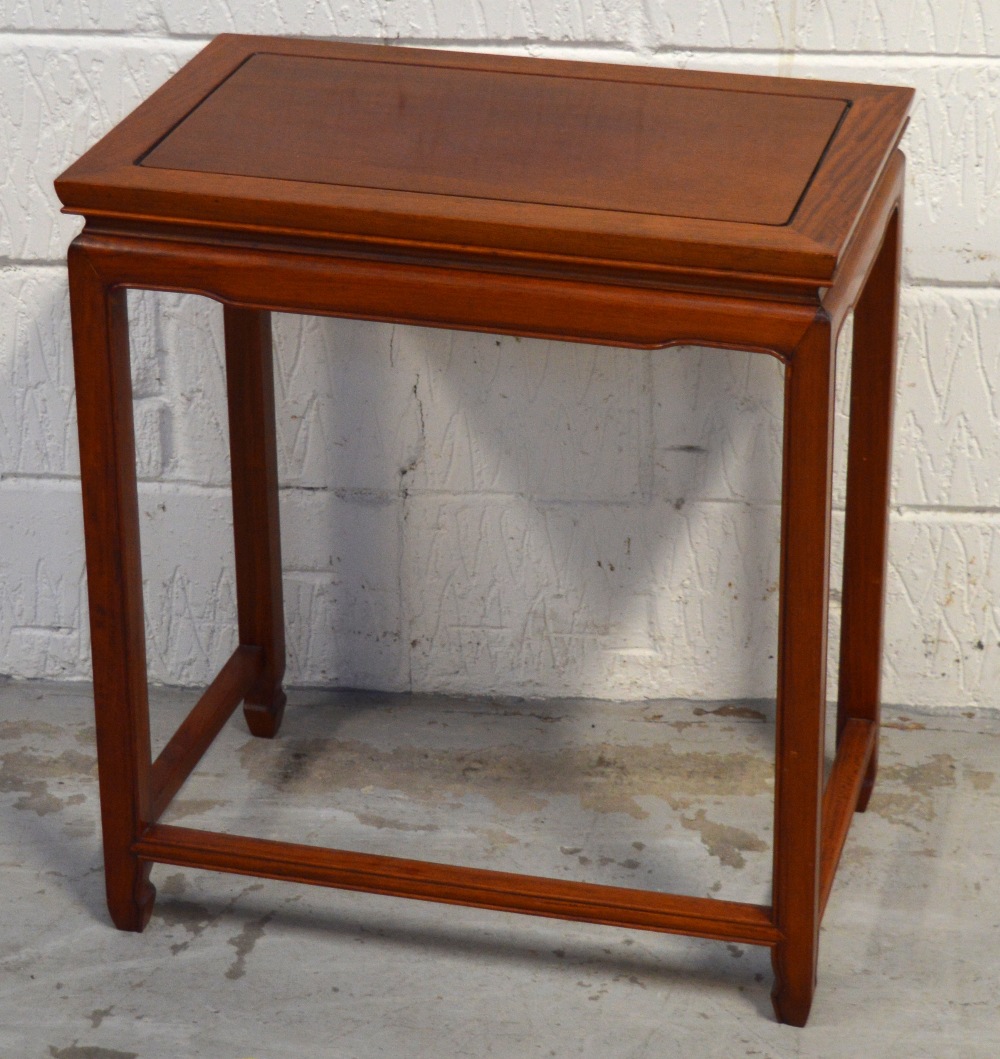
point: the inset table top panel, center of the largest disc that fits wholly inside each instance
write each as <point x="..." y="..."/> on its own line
<point x="517" y="159"/>
<point x="509" y="136"/>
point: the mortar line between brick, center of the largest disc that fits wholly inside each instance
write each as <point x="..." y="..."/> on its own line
<point x="903" y="57"/>
<point x="386" y="497"/>
<point x="43" y="482"/>
<point x="141" y="38"/>
<point x="916" y="512"/>
<point x="647" y="459"/>
<point x="406" y="613"/>
<point x="30" y="262"/>
<point x="952" y="285"/>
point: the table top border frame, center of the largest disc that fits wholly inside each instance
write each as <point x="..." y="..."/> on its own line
<point x="108" y="183"/>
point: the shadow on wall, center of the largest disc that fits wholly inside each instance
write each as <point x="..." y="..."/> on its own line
<point x="583" y="520"/>
<point x="460" y="512"/>
<point x="42" y="581"/>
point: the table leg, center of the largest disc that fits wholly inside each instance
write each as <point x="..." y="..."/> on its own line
<point x="805" y="551"/>
<point x="256" y="529"/>
<point x="117" y="631"/>
<point x="873" y="371"/>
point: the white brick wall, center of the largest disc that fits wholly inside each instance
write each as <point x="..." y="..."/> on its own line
<point x="474" y="513"/>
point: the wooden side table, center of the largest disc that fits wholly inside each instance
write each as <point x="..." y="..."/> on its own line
<point x="608" y="204"/>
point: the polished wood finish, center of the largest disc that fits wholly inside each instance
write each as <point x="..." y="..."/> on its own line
<point x="632" y="207"/>
<point x="507" y="136"/>
<point x="802" y="628"/>
<point x="869" y="471"/>
<point x="855" y="752"/>
<point x="110" y="181"/>
<point x="114" y="580"/>
<point x="178" y="759"/>
<point x="451" y="884"/>
<point x="256" y="529"/>
<point x="581" y="309"/>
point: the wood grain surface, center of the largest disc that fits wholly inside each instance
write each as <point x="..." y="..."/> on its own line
<point x="505" y="136"/>
<point x="617" y="205"/>
<point x="522" y="160"/>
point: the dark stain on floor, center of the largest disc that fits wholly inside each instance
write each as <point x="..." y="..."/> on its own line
<point x="29" y="774"/>
<point x="723" y="841"/>
<point x="904" y="793"/>
<point x="244" y="943"/>
<point x="747" y="713"/>
<point x="20" y="729"/>
<point x="607" y="778"/>
<point x="89" y="1051"/>
<point x="98" y="1015"/>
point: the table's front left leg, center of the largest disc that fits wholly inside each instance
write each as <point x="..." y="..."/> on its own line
<point x="114" y="576"/>
<point x="256" y="529"/>
<point x="802" y="639"/>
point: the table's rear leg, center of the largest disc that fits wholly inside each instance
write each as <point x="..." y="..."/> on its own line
<point x="114" y="577"/>
<point x="873" y="372"/>
<point x="256" y="530"/>
<point x="802" y="638"/>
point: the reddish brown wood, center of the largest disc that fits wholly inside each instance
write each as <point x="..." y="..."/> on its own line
<point x="197" y="731"/>
<point x="256" y="529"/>
<point x="840" y="799"/>
<point x="869" y="466"/>
<point x="451" y="884"/>
<point x="707" y="209"/>
<point x="107" y="182"/>
<point x="114" y="578"/>
<point x="861" y="253"/>
<point x="802" y="634"/>
<point x="504" y="136"/>
<point x="472" y="299"/>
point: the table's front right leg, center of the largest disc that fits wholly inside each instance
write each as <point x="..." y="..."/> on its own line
<point x="802" y="637"/>
<point x="114" y="576"/>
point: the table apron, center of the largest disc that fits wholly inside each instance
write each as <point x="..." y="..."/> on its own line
<point x="456" y="298"/>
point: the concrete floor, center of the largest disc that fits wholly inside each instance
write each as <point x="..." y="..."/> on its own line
<point x="671" y="795"/>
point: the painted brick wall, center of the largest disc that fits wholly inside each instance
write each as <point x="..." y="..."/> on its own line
<point x="477" y="513"/>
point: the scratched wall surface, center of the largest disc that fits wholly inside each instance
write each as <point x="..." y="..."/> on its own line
<point x="481" y="513"/>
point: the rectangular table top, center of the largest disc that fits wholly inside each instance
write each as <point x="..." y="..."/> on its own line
<point x="521" y="159"/>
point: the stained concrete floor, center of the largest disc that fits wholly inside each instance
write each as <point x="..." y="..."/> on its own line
<point x="670" y="795"/>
